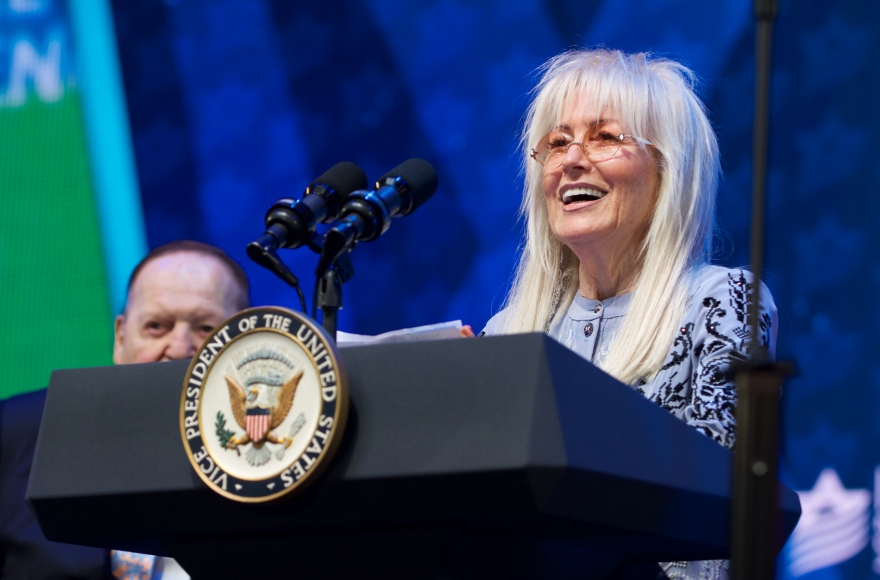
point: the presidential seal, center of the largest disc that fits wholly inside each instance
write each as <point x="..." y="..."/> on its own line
<point x="264" y="405"/>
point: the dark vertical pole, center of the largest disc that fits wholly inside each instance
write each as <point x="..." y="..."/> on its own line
<point x="755" y="523"/>
<point x="754" y="533"/>
<point x="765" y="12"/>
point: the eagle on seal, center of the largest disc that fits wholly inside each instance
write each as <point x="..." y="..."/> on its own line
<point x="258" y="412"/>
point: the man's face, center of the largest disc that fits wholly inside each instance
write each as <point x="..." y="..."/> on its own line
<point x="174" y="303"/>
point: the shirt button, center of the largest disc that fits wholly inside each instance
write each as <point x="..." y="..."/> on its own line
<point x="588" y="329"/>
<point x="597" y="308"/>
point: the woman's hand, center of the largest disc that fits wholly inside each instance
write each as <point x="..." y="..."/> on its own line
<point x="466" y="331"/>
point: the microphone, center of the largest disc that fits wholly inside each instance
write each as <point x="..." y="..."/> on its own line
<point x="291" y="223"/>
<point x="366" y="215"/>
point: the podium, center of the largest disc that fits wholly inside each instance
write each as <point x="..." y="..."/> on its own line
<point x="503" y="456"/>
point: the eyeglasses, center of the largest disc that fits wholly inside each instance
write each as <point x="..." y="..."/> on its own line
<point x="599" y="146"/>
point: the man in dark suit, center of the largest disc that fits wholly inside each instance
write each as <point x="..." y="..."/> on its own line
<point x="176" y="295"/>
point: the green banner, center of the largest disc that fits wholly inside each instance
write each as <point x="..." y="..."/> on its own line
<point x="53" y="289"/>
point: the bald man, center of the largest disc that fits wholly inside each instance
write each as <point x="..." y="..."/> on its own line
<point x="175" y="300"/>
<point x="176" y="295"/>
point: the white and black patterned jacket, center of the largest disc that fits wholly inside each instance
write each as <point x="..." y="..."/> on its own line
<point x="694" y="383"/>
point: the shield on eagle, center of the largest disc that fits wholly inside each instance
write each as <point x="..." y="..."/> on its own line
<point x="257" y="421"/>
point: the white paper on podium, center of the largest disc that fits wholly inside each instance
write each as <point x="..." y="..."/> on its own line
<point x="429" y="332"/>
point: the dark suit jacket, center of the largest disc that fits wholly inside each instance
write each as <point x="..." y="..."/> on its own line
<point x="24" y="552"/>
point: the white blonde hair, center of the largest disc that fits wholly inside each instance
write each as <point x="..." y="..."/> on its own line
<point x="652" y="98"/>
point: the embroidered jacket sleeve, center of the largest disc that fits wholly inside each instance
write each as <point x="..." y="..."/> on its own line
<point x="695" y="383"/>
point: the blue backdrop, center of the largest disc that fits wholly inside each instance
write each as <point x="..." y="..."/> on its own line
<point x="234" y="104"/>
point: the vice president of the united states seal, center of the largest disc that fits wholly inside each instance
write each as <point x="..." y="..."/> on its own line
<point x="264" y="405"/>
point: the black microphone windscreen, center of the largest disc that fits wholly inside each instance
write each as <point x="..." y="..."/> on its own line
<point x="419" y="175"/>
<point x="345" y="177"/>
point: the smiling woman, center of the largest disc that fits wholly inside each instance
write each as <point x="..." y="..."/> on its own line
<point x="599" y="196"/>
<point x="621" y="167"/>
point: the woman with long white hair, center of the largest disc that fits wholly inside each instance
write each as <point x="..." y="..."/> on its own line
<point x="621" y="172"/>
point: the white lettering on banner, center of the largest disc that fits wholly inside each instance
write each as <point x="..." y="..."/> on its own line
<point x="28" y="66"/>
<point x="834" y="525"/>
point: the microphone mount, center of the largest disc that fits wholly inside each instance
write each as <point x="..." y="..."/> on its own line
<point x="364" y="215"/>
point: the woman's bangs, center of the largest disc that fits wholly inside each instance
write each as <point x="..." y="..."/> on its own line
<point x="610" y="94"/>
